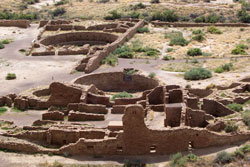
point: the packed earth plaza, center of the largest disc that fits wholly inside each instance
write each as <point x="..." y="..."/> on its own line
<point x="124" y="83"/>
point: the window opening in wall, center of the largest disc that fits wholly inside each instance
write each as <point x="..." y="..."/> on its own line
<point x="119" y="149"/>
<point x="153" y="149"/>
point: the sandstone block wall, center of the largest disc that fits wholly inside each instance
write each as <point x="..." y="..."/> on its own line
<point x="53" y="115"/>
<point x="15" y="23"/>
<point x="78" y="116"/>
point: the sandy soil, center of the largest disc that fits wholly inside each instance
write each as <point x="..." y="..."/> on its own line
<point x="31" y="71"/>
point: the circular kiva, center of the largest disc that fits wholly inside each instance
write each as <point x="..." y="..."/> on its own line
<point x="118" y="82"/>
<point x="80" y="38"/>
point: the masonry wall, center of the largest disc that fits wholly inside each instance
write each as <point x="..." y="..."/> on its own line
<point x="15" y="23"/>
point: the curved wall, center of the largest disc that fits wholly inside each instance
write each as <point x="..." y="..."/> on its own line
<point x="80" y="38"/>
<point x="118" y="82"/>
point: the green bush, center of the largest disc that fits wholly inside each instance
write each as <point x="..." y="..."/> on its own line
<point x="143" y="30"/>
<point x="6" y="41"/>
<point x="223" y="158"/>
<point x="113" y="15"/>
<point x="199" y="37"/>
<point x="242" y="151"/>
<point x="10" y="76"/>
<point x="246" y="118"/>
<point x="168" y="16"/>
<point x="134" y="15"/>
<point x="126" y="55"/>
<point x="2" y="45"/>
<point x="121" y="95"/>
<point x="223" y="68"/>
<point x="177" y="160"/>
<point x="242" y="46"/>
<point x="152" y="75"/>
<point x="197" y="74"/>
<point x="58" y="12"/>
<point x="121" y="49"/>
<point x="194" y="52"/>
<point x="16" y="16"/>
<point x="196" y="32"/>
<point x="62" y="2"/>
<point x="170" y="49"/>
<point x="194" y="61"/>
<point x="138" y="6"/>
<point x="239" y="51"/>
<point x="176" y="38"/>
<point x="167" y="58"/>
<point x="236" y="107"/>
<point x="231" y="127"/>
<point x="214" y="30"/>
<point x="111" y="60"/>
<point x="191" y="157"/>
<point x="155" y="1"/>
<point x="211" y="18"/>
<point x="130" y="72"/>
<point x="2" y="110"/>
<point x="243" y="16"/>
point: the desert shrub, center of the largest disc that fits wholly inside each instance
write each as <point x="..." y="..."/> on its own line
<point x="246" y="118"/>
<point x="243" y="16"/>
<point x="242" y="151"/>
<point x="236" y="107"/>
<point x="143" y="30"/>
<point x="2" y="110"/>
<point x="152" y="75"/>
<point x="110" y="60"/>
<point x="113" y="15"/>
<point x="168" y="15"/>
<point x="176" y="38"/>
<point x="10" y="76"/>
<point x="103" y="1"/>
<point x="211" y="18"/>
<point x="155" y="1"/>
<point x="121" y="95"/>
<point x="214" y="30"/>
<point x="223" y="158"/>
<point x="238" y="51"/>
<point x="177" y="160"/>
<point x="166" y="58"/>
<point x="2" y="45"/>
<point x="242" y="46"/>
<point x="194" y="61"/>
<point x="191" y="157"/>
<point x="138" y="6"/>
<point x="6" y="41"/>
<point x="231" y="127"/>
<point x="121" y="49"/>
<point x="134" y="15"/>
<point x="62" y="2"/>
<point x="58" y="12"/>
<point x="194" y="52"/>
<point x="130" y="72"/>
<point x="223" y="68"/>
<point x="197" y="74"/>
<point x="170" y="49"/>
<point x="126" y="55"/>
<point x="30" y="2"/>
<point x="199" y="37"/>
<point x="196" y="32"/>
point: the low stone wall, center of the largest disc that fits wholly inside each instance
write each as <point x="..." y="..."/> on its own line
<point x="92" y="108"/>
<point x="118" y="109"/>
<point x="98" y="99"/>
<point x="15" y="23"/>
<point x="53" y="22"/>
<point x="79" y="37"/>
<point x="176" y="24"/>
<point x="201" y="93"/>
<point x="78" y="116"/>
<point x="116" y="81"/>
<point x="53" y="115"/>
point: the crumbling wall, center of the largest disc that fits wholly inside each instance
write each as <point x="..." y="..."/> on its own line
<point x="92" y="108"/>
<point x="201" y="93"/>
<point x="173" y="115"/>
<point x="78" y="116"/>
<point x="195" y="118"/>
<point x="215" y="108"/>
<point x="114" y="81"/>
<point x="15" y="23"/>
<point x="53" y="115"/>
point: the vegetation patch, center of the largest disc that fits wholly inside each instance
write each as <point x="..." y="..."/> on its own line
<point x="223" y="158"/>
<point x="3" y="110"/>
<point x="111" y="60"/>
<point x="176" y="38"/>
<point x="197" y="74"/>
<point x="246" y="118"/>
<point x="240" y="50"/>
<point x="10" y="76"/>
<point x="214" y="30"/>
<point x="194" y="52"/>
<point x="223" y="68"/>
<point x="121" y="95"/>
<point x="236" y="107"/>
<point x="231" y="127"/>
<point x="167" y="15"/>
<point x="143" y="30"/>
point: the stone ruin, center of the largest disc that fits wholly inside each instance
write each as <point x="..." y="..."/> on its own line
<point x="81" y="119"/>
<point x="95" y="41"/>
